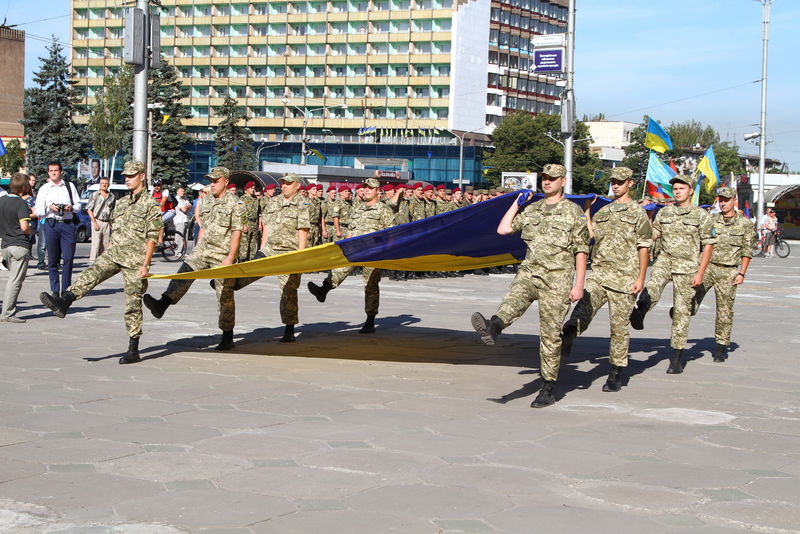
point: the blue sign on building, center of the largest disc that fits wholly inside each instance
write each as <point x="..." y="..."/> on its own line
<point x="548" y="60"/>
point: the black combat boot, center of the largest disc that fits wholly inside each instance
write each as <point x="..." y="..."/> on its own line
<point x="488" y="330"/>
<point x="721" y="353"/>
<point x="132" y="356"/>
<point x="568" y="335"/>
<point x="369" y="325"/>
<point x="156" y="306"/>
<point x="638" y="313"/>
<point x="545" y="397"/>
<point x="614" y="382"/>
<point x="58" y="304"/>
<point x="321" y="292"/>
<point x="676" y="362"/>
<point x="288" y="333"/>
<point x="226" y="343"/>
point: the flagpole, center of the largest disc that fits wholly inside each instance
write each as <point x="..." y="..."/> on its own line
<point x="762" y="145"/>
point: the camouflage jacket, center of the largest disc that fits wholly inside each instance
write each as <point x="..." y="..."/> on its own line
<point x="735" y="237"/>
<point x="219" y="218"/>
<point x="402" y="212"/>
<point x="366" y="219"/>
<point x="342" y="209"/>
<point x="681" y="233"/>
<point x="283" y="219"/>
<point x="620" y="230"/>
<point x="430" y="207"/>
<point x="327" y="210"/>
<point x="416" y="209"/>
<point x="136" y="220"/>
<point x="251" y="208"/>
<point x="315" y="212"/>
<point x="554" y="234"/>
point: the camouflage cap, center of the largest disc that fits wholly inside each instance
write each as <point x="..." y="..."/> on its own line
<point x="291" y="177"/>
<point x="688" y="180"/>
<point x="621" y="173"/>
<point x="554" y="170"/>
<point x="372" y="183"/>
<point x="726" y="192"/>
<point x="133" y="167"/>
<point x="448" y="191"/>
<point x="469" y="189"/>
<point x="218" y="172"/>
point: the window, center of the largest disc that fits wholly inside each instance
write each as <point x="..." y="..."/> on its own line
<point x="422" y="47"/>
<point x="379" y="113"/>
<point x="422" y="70"/>
<point x="443" y="70"/>
<point x="422" y="25"/>
<point x="400" y="70"/>
<point x="442" y="91"/>
<point x="381" y="26"/>
<point x="400" y="26"/>
<point x="337" y="92"/>
<point x="422" y="92"/>
<point x="399" y="48"/>
<point x="378" y="92"/>
<point x="400" y="92"/>
<point x="441" y="113"/>
<point x="421" y="113"/>
<point x="356" y="92"/>
<point x="399" y="113"/>
<point x="379" y="70"/>
<point x="380" y="48"/>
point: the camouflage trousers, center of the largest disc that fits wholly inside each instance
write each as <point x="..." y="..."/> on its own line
<point x="248" y="244"/>
<point x="288" y="287"/>
<point x="103" y="269"/>
<point x="331" y="233"/>
<point x="226" y="307"/>
<point x="620" y="306"/>
<point x="682" y="294"/>
<point x="720" y="277"/>
<point x="314" y="235"/>
<point x="372" y="291"/>
<point x="553" y="308"/>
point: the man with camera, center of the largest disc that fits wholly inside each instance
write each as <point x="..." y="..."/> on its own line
<point x="56" y="206"/>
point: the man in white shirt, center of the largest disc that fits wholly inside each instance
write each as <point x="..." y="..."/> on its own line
<point x="56" y="206"/>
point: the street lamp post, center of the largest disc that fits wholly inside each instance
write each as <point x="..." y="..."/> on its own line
<point x="762" y="142"/>
<point x="306" y="112"/>
<point x="461" y="153"/>
<point x="258" y="154"/>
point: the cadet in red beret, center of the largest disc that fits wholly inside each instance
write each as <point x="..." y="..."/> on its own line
<point x="341" y="212"/>
<point x="249" y="184"/>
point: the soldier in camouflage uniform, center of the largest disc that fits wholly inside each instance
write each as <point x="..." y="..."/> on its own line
<point x="287" y="226"/>
<point x="137" y="223"/>
<point x="315" y="215"/>
<point x="428" y="201"/>
<point x="557" y="237"/>
<point x="734" y="248"/>
<point x="327" y="229"/>
<point x="415" y="207"/>
<point x="248" y="244"/>
<point x="371" y="216"/>
<point x="683" y="229"/>
<point x="620" y="255"/>
<point x="341" y="213"/>
<point x="221" y="217"/>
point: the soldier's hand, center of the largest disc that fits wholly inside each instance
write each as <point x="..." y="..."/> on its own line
<point x="95" y="227"/>
<point x="697" y="280"/>
<point x="523" y="198"/>
<point x="637" y="287"/>
<point x="576" y="294"/>
<point x="144" y="271"/>
<point x="338" y="234"/>
<point x="227" y="261"/>
<point x="738" y="279"/>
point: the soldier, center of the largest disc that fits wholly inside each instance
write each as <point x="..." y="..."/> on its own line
<point x="341" y="212"/>
<point x="682" y="229"/>
<point x="328" y="230"/>
<point x="428" y="201"/>
<point x="403" y="213"/>
<point x="221" y="217"/>
<point x="315" y="214"/>
<point x="458" y="198"/>
<point x="620" y="255"/>
<point x="557" y="237"/>
<point x="415" y="205"/>
<point x="469" y="195"/>
<point x="137" y="222"/>
<point x="249" y="244"/>
<point x="371" y="216"/>
<point x="735" y="237"/>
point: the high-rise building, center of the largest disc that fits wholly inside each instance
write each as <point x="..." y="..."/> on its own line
<point x="12" y="82"/>
<point x="392" y="77"/>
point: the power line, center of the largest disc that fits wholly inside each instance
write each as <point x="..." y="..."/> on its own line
<point x="40" y="20"/>
<point x="684" y="98"/>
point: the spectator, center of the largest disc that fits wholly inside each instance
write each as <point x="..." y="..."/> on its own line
<point x="30" y="200"/>
<point x="182" y="209"/>
<point x="16" y="246"/>
<point x="56" y="205"/>
<point x="196" y="209"/>
<point x="100" y="208"/>
<point x="40" y="241"/>
<point x="768" y="226"/>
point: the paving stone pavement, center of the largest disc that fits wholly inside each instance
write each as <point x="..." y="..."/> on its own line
<point x="418" y="428"/>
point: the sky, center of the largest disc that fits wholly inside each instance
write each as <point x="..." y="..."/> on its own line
<point x="675" y="60"/>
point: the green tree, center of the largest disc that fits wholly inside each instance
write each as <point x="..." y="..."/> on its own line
<point x="233" y="142"/>
<point x="523" y="144"/>
<point x="50" y="132"/>
<point x="690" y="133"/>
<point x="105" y="126"/>
<point x="14" y="158"/>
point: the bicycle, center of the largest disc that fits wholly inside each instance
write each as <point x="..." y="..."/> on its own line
<point x="779" y="245"/>
<point x="174" y="247"/>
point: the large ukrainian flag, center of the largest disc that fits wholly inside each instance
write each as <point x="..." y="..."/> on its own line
<point x="454" y="241"/>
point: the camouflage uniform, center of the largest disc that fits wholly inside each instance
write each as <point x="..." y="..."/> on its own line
<point x="248" y="245"/>
<point x="315" y="219"/>
<point x="342" y="209"/>
<point x="554" y="234"/>
<point x="735" y="237"/>
<point x="364" y="220"/>
<point x="282" y="220"/>
<point x="327" y="219"/>
<point x="620" y="230"/>
<point x="403" y="213"/>
<point x="136" y="220"/>
<point x="682" y="233"/>
<point x="219" y="218"/>
<point x="416" y="208"/>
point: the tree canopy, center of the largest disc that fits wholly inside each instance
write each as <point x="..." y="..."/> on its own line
<point x="234" y="143"/>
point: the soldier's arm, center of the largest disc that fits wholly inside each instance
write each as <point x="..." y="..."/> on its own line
<point x="505" y="226"/>
<point x="580" y="247"/>
<point x="154" y="229"/>
<point x="644" y="241"/>
<point x="236" y="237"/>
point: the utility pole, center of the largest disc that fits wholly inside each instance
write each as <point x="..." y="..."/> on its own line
<point x="762" y="141"/>
<point x="568" y="98"/>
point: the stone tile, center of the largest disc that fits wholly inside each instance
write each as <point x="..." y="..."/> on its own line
<point x="57" y="421"/>
<point x="462" y="525"/>
<point x="152" y="432"/>
<point x="19" y="469"/>
<point x="70" y="468"/>
<point x="10" y="436"/>
<point x="194" y="509"/>
<point x="755" y="441"/>
<point x="429" y="502"/>
<point x="173" y="466"/>
<point x="127" y="407"/>
<point x="550" y="518"/>
<point x="227" y="419"/>
<point x="183" y="485"/>
<point x="677" y="475"/>
<point x="348" y="445"/>
<point x="300" y="482"/>
<point x="344" y="521"/>
<point x="254" y="445"/>
<point x="319" y="505"/>
<point x="747" y="515"/>
<point x="69" y="451"/>
<point x="277" y="462"/>
<point x="786" y="489"/>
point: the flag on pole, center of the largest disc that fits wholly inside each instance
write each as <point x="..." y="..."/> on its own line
<point x="165" y="118"/>
<point x="672" y="166"/>
<point x="656" y="138"/>
<point x="735" y="192"/>
<point x="747" y="209"/>
<point x="2" y="148"/>
<point x="658" y="177"/>
<point x="317" y="153"/>
<point x="696" y="194"/>
<point x="708" y="166"/>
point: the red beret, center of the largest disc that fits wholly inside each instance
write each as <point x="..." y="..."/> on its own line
<point x="416" y="185"/>
<point x="399" y="186"/>
<point x="387" y="187"/>
<point x="231" y="187"/>
<point x="343" y="188"/>
<point x="428" y="187"/>
<point x="440" y="187"/>
<point x="359" y="186"/>
<point x="249" y="184"/>
<point x="318" y="186"/>
<point x="269" y="187"/>
<point x="302" y="188"/>
<point x="456" y="190"/>
<point x="331" y="188"/>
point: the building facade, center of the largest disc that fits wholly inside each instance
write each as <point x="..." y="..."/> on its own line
<point x="391" y="73"/>
<point x="12" y="82"/>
